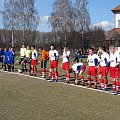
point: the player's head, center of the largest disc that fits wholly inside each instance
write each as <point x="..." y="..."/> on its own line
<point x="112" y="49"/>
<point x="5" y="48"/>
<point x="91" y="50"/>
<point x="52" y="47"/>
<point x="102" y="49"/>
<point x="70" y="70"/>
<point x="28" y="48"/>
<point x="40" y="49"/>
<point x="33" y="47"/>
<point x="65" y="49"/>
<point x="23" y="46"/>
<point x="11" y="49"/>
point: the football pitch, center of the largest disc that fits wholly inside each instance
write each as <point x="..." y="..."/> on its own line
<point x="28" y="98"/>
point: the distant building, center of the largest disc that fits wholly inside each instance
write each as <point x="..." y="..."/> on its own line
<point x="113" y="35"/>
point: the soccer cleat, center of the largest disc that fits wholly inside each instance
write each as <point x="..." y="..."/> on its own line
<point x="76" y="82"/>
<point x="31" y="74"/>
<point x="67" y="81"/>
<point x="42" y="76"/>
<point x="105" y="89"/>
<point x="88" y="86"/>
<point x="56" y="80"/>
<point x="35" y="75"/>
<point x="95" y="87"/>
<point x="115" y="93"/>
<point x="47" y="78"/>
<point x="83" y="83"/>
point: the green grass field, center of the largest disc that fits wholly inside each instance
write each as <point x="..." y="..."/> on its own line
<point x="26" y="98"/>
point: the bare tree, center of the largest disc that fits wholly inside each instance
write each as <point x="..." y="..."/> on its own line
<point x="61" y="20"/>
<point x="20" y="15"/>
<point x="82" y="19"/>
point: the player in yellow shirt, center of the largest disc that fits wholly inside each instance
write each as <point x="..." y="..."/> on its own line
<point x="27" y="57"/>
<point x="22" y="56"/>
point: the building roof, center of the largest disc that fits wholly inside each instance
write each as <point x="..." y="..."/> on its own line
<point x="115" y="30"/>
<point x="116" y="9"/>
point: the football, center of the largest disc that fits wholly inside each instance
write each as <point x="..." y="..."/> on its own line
<point x="19" y="70"/>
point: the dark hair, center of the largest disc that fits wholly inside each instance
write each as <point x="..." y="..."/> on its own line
<point x="33" y="46"/>
<point x="41" y="48"/>
<point x="104" y="48"/>
<point x="52" y="45"/>
<point x="91" y="49"/>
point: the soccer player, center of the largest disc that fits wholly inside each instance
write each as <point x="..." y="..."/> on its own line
<point x="34" y="62"/>
<point x="66" y="63"/>
<point x="78" y="56"/>
<point x="22" y="56"/>
<point x="104" y="66"/>
<point x="78" y="69"/>
<point x="53" y="58"/>
<point x="5" y="58"/>
<point x="27" y="58"/>
<point x="1" y="57"/>
<point x="11" y="57"/>
<point x="44" y="58"/>
<point x="114" y="69"/>
<point x="93" y="61"/>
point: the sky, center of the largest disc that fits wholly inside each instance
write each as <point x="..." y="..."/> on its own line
<point x="99" y="10"/>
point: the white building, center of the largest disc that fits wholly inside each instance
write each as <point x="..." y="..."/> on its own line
<point x="114" y="34"/>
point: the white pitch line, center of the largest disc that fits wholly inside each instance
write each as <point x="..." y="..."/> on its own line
<point x="58" y="82"/>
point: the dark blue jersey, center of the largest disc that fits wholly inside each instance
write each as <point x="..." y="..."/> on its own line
<point x="1" y="53"/>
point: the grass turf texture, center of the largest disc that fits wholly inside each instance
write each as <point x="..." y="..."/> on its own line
<point x="24" y="98"/>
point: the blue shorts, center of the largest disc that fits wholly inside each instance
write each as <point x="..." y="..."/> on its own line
<point x="10" y="62"/>
<point x="1" y="59"/>
<point x="43" y="63"/>
<point x="5" y="61"/>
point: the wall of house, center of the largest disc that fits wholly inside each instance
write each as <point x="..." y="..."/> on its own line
<point x="117" y="20"/>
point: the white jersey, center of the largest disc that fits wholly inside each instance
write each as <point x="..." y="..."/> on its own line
<point x="27" y="53"/>
<point x="53" y="55"/>
<point x="77" y="67"/>
<point x="66" y="56"/>
<point x="114" y="59"/>
<point x="34" y="54"/>
<point x="22" y="52"/>
<point x="93" y="60"/>
<point x="104" y="59"/>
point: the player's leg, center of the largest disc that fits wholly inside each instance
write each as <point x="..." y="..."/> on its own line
<point x="22" y="64"/>
<point x="9" y="66"/>
<point x="12" y="65"/>
<point x="32" y="67"/>
<point x="35" y="70"/>
<point x="76" y="78"/>
<point x="50" y="70"/>
<point x="101" y="78"/>
<point x="55" y="65"/>
<point x="43" y="66"/>
<point x="5" y="65"/>
<point x="2" y="64"/>
<point x="89" y="76"/>
<point x="25" y="64"/>
<point x="65" y="67"/>
<point x="117" y="86"/>
<point x="94" y="74"/>
<point x="81" y="77"/>
<point x="56" y="74"/>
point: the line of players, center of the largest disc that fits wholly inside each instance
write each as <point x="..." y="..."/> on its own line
<point x="106" y="62"/>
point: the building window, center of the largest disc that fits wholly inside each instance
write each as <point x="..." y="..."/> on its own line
<point x="118" y="23"/>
